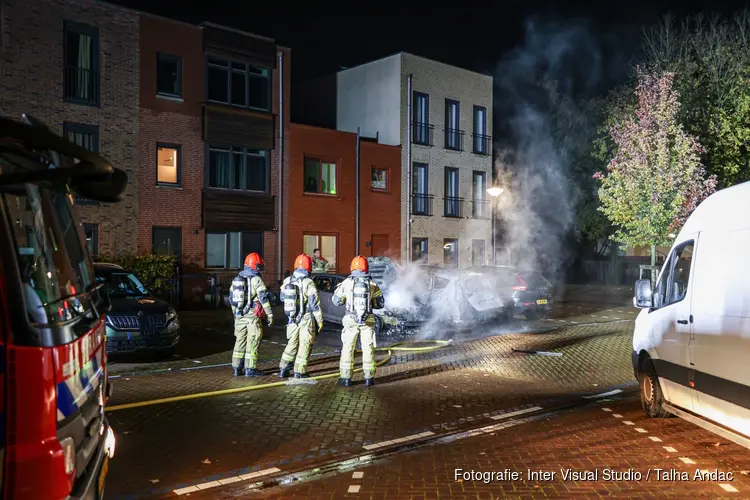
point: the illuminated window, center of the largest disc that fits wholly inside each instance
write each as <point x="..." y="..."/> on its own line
<point x="327" y="246"/>
<point x="380" y="179"/>
<point x="320" y="176"/>
<point x="167" y="164"/>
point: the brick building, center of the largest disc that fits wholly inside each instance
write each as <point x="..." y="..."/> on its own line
<point x="322" y="196"/>
<point x="209" y="146"/>
<point x="74" y="65"/>
<point x="446" y="164"/>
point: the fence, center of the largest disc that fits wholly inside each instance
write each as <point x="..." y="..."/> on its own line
<point x="204" y="290"/>
<point x="607" y="272"/>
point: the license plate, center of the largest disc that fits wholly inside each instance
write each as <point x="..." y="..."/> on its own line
<point x="541" y="302"/>
<point x="103" y="476"/>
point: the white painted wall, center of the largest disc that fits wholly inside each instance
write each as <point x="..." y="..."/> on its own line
<point x="369" y="97"/>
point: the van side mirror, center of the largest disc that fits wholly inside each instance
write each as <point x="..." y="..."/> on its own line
<point x="644" y="295"/>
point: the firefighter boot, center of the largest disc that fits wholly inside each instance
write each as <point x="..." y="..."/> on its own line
<point x="284" y="372"/>
<point x="346" y="382"/>
<point x="369" y="382"/>
<point x="238" y="371"/>
<point x="252" y="372"/>
<point x="301" y="375"/>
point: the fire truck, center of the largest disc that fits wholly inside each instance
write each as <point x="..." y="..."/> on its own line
<point x="55" y="441"/>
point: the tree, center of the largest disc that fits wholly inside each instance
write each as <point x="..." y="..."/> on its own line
<point x="655" y="177"/>
<point x="711" y="59"/>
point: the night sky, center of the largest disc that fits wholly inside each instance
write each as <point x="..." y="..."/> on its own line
<point x="470" y="33"/>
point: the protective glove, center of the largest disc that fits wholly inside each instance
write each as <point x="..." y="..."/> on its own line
<point x="270" y="320"/>
<point x="320" y="327"/>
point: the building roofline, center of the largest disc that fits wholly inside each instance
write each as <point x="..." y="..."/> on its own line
<point x="403" y="53"/>
<point x="235" y="30"/>
<point x="345" y="132"/>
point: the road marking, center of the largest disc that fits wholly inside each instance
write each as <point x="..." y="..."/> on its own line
<point x="617" y="415"/>
<point x="605" y="317"/>
<point x="516" y="413"/>
<point x="642" y="431"/>
<point x="603" y="394"/>
<point x="655" y="439"/>
<point x="353" y="488"/>
<point x="358" y="475"/>
<point x="627" y="422"/>
<point x="729" y="488"/>
<point x="397" y="441"/>
<point x="606" y="409"/>
<point x="228" y="480"/>
<point x="687" y="460"/>
<point x="669" y="449"/>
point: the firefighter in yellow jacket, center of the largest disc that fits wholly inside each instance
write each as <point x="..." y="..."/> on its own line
<point x="250" y="302"/>
<point x="360" y="294"/>
<point x="305" y="319"/>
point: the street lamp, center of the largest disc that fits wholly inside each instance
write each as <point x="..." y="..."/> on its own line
<point x="495" y="192"/>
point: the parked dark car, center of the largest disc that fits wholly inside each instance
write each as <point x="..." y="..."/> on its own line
<point x="530" y="292"/>
<point x="138" y="321"/>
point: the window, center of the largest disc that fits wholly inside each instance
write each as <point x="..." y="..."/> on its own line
<point x="238" y="168"/>
<point x="227" y="249"/>
<point x="419" y="249"/>
<point x="672" y="287"/>
<point x="480" y="209"/>
<point x="422" y="133"/>
<point x="81" y="63"/>
<point x="450" y="252"/>
<point x="326" y="244"/>
<point x="420" y="198"/>
<point x="167" y="241"/>
<point x="86" y="136"/>
<point x="91" y="233"/>
<point x="320" y="176"/>
<point x="452" y="201"/>
<point x="380" y="179"/>
<point x="453" y="136"/>
<point x="239" y="84"/>
<point x="168" y="163"/>
<point x="481" y="139"/>
<point x="168" y="75"/>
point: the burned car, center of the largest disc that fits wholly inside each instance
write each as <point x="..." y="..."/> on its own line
<point x="529" y="292"/>
<point x="464" y="298"/>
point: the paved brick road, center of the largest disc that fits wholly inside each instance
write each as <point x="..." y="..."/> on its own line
<point x="611" y="435"/>
<point x="176" y="445"/>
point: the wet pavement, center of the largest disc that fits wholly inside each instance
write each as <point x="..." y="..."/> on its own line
<point x="200" y="444"/>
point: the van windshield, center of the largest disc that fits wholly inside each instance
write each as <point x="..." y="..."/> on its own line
<point x="56" y="270"/>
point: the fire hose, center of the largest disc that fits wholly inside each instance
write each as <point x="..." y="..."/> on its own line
<point x="414" y="346"/>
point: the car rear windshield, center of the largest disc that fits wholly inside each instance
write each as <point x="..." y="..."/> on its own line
<point x="122" y="284"/>
<point x="56" y="270"/>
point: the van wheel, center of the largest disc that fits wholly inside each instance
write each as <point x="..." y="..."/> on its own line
<point x="652" y="398"/>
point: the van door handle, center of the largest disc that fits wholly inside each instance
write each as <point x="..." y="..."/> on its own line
<point x="682" y="321"/>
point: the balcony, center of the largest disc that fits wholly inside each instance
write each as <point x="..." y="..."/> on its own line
<point x="481" y="209"/>
<point x="453" y="207"/>
<point x="421" y="204"/>
<point x="454" y="139"/>
<point x="482" y="144"/>
<point x="422" y="134"/>
<point x="81" y="85"/>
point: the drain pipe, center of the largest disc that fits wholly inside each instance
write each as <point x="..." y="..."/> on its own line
<point x="280" y="262"/>
<point x="356" y="210"/>
<point x="408" y="168"/>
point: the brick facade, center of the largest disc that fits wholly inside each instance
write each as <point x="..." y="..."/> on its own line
<point x="31" y="63"/>
<point x="173" y="121"/>
<point x="334" y="215"/>
<point x="441" y="81"/>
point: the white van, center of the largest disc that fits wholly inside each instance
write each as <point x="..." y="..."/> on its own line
<point x="691" y="345"/>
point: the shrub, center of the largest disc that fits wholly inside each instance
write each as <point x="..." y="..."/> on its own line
<point x="156" y="271"/>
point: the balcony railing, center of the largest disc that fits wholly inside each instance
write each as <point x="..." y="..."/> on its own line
<point x="80" y="200"/>
<point x="482" y="144"/>
<point x="422" y="133"/>
<point x="421" y="204"/>
<point x="481" y="209"/>
<point x="81" y="85"/>
<point x="453" y="207"/>
<point x="454" y="139"/>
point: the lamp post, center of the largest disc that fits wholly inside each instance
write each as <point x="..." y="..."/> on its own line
<point x="495" y="192"/>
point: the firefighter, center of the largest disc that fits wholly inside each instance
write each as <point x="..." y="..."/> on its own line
<point x="360" y="294"/>
<point x="250" y="301"/>
<point x="305" y="319"/>
<point x="319" y="263"/>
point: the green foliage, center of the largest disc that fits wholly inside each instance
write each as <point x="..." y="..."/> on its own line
<point x="655" y="178"/>
<point x="154" y="270"/>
